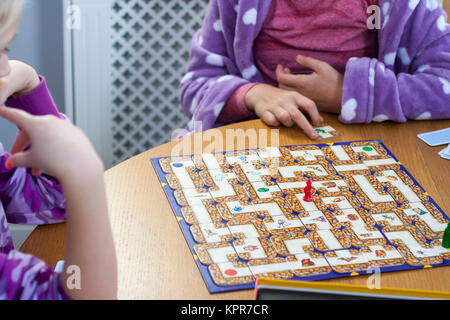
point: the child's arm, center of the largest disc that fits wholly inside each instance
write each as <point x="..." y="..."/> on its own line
<point x="212" y="76"/>
<point x="28" y="199"/>
<point x="412" y="83"/>
<point x="221" y="63"/>
<point x="63" y="151"/>
<point x="24" y="89"/>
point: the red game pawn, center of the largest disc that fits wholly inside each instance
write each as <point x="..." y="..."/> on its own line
<point x="307" y="191"/>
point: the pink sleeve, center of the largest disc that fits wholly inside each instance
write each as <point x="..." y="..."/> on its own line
<point x="235" y="108"/>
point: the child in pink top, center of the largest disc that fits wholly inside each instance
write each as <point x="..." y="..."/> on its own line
<point x="294" y="28"/>
<point x="246" y="58"/>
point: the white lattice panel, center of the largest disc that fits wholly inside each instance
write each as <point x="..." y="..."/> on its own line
<point x="151" y="41"/>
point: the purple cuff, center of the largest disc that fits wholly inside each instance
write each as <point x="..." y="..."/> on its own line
<point x="38" y="102"/>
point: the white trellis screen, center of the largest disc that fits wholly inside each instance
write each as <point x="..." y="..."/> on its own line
<point x="124" y="62"/>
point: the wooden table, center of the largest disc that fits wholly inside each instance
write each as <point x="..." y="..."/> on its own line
<point x="153" y="257"/>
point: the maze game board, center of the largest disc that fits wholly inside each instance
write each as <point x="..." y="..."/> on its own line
<point x="243" y="214"/>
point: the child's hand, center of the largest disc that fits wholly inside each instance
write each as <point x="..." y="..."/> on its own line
<point x="58" y="147"/>
<point x="21" y="80"/>
<point x="324" y="86"/>
<point x="274" y="106"/>
<point x="62" y="150"/>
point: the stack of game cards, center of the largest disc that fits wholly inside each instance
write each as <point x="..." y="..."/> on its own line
<point x="437" y="138"/>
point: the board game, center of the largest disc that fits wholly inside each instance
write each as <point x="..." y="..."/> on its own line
<point x="244" y="216"/>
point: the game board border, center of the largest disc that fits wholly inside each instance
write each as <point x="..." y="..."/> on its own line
<point x="214" y="288"/>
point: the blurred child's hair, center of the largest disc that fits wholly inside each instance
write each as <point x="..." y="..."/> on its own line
<point x="9" y="10"/>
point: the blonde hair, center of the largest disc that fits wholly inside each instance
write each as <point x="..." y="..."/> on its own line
<point x="9" y="11"/>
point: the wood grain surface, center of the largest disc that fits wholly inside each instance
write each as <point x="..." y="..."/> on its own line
<point x="153" y="257"/>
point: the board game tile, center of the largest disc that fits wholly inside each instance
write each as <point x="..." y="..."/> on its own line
<point x="350" y="168"/>
<point x="231" y="208"/>
<point x="309" y="264"/>
<point x="329" y="239"/>
<point x="190" y="197"/>
<point x="295" y="199"/>
<point x="291" y="241"/>
<point x="445" y="253"/>
<point x="230" y="273"/>
<point x="263" y="190"/>
<point x="319" y="171"/>
<point x="315" y="220"/>
<point x="336" y="152"/>
<point x="217" y="252"/>
<point x="430" y="221"/>
<point x="227" y="191"/>
<point x="285" y="222"/>
<point x="308" y="154"/>
<point x="400" y="186"/>
<point x="382" y="255"/>
<point x="214" y="177"/>
<point x="370" y="193"/>
<point x="273" y="268"/>
<point x="366" y="235"/>
<point x="272" y="207"/>
<point x="242" y="158"/>
<point x="167" y="164"/>
<point x="247" y="225"/>
<point x="185" y="177"/>
<point x="387" y="163"/>
<point x="326" y="132"/>
<point x="290" y="185"/>
<point x="347" y="261"/>
<point x="413" y="245"/>
<point x="389" y="219"/>
<point x="420" y="256"/>
<point x="202" y="213"/>
<point x="254" y="248"/>
<point x="345" y="201"/>
<point x="367" y="150"/>
<point x="210" y="233"/>
<point x="356" y="151"/>
<point x="350" y="218"/>
<point x="330" y="188"/>
<point x="210" y="161"/>
<point x="253" y="173"/>
<point x="269" y="153"/>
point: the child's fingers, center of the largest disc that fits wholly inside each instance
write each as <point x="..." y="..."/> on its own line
<point x="309" y="107"/>
<point x="20" y="160"/>
<point x="283" y="116"/>
<point x="269" y="119"/>
<point x="35" y="172"/>
<point x="311" y="63"/>
<point x="300" y="120"/>
<point x="16" y="116"/>
<point x="297" y="81"/>
<point x="20" y="143"/>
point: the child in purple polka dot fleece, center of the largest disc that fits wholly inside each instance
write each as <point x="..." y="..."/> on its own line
<point x="285" y="61"/>
<point x="28" y="196"/>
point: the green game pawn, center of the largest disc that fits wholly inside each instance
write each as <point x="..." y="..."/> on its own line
<point x="446" y="239"/>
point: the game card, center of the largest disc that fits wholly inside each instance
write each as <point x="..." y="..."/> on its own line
<point x="436" y="138"/>
<point x="326" y="132"/>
